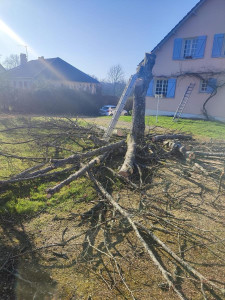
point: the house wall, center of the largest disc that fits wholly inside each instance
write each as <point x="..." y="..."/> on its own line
<point x="80" y="86"/>
<point x="28" y="83"/>
<point x="207" y="20"/>
<point x="21" y="83"/>
<point x="194" y="107"/>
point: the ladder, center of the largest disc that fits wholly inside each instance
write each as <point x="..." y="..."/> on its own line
<point x="120" y="106"/>
<point x="183" y="102"/>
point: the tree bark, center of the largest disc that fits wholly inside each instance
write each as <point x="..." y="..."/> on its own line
<point x="144" y="72"/>
<point x="127" y="167"/>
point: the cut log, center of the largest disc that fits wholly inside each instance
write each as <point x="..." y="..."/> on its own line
<point x="214" y="154"/>
<point x="176" y="147"/>
<point x="116" y="131"/>
<point x="159" y="138"/>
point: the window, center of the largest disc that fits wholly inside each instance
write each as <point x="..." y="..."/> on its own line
<point x="207" y="85"/>
<point x="189" y="48"/>
<point x="203" y="86"/>
<point x="162" y="86"/>
<point x="218" y="49"/>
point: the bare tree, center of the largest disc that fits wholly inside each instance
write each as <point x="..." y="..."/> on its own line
<point x="116" y="78"/>
<point x="11" y="61"/>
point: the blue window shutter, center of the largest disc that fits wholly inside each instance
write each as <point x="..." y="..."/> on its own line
<point x="211" y="85"/>
<point x="217" y="45"/>
<point x="200" y="49"/>
<point x="177" y="48"/>
<point x="171" y="88"/>
<point x="150" y="89"/>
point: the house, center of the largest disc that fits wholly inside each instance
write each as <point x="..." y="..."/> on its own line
<point x="52" y="72"/>
<point x="192" y="52"/>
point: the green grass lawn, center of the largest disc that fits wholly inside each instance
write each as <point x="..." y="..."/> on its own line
<point x="29" y="197"/>
<point x="199" y="128"/>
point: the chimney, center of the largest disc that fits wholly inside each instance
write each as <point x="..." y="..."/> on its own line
<point x="23" y="59"/>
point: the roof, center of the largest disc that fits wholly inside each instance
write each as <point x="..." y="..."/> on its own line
<point x="51" y="68"/>
<point x="2" y="69"/>
<point x="185" y="18"/>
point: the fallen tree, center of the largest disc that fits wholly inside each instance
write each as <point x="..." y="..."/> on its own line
<point x="172" y="216"/>
<point x="159" y="203"/>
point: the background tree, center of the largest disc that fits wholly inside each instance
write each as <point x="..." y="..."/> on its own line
<point x="115" y="77"/>
<point x="11" y="61"/>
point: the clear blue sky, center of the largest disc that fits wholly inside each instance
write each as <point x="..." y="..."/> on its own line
<point x="92" y="35"/>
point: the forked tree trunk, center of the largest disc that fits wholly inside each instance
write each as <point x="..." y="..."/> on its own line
<point x="144" y="72"/>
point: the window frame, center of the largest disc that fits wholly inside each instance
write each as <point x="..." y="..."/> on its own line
<point x="171" y="87"/>
<point x="192" y="39"/>
<point x="179" y="47"/>
<point x="209" y="87"/>
<point x="201" y="83"/>
<point x="155" y="87"/>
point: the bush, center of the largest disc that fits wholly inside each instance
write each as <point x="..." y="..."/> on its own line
<point x="54" y="101"/>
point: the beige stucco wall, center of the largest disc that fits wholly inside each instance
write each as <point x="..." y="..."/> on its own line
<point x="193" y="108"/>
<point x="208" y="20"/>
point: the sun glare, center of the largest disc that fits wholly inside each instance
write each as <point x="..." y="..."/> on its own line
<point x="15" y="37"/>
<point x="7" y="30"/>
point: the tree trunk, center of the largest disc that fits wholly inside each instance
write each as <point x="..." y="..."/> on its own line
<point x="144" y="72"/>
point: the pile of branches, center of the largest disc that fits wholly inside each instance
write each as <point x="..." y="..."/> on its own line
<point x="172" y="178"/>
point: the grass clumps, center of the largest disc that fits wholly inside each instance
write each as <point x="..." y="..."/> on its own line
<point x="29" y="199"/>
<point x="199" y="128"/>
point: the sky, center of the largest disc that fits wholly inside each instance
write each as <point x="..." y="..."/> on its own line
<point x="92" y="35"/>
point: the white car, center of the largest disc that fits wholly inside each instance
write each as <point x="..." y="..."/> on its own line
<point x="109" y="110"/>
